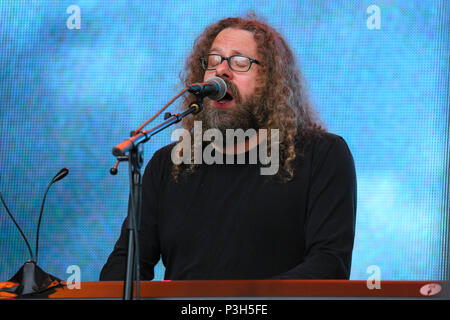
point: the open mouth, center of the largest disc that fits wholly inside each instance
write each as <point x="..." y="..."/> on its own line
<point x="228" y="98"/>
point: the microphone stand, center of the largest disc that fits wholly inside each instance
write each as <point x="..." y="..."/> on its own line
<point x="134" y="147"/>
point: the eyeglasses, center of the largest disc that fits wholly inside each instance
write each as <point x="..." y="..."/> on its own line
<point x="236" y="63"/>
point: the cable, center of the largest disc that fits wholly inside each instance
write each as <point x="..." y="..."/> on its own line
<point x="162" y="109"/>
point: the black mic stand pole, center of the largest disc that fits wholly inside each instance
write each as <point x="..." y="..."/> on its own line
<point x="135" y="161"/>
<point x="135" y="158"/>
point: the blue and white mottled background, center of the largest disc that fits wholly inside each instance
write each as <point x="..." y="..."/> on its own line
<point x="68" y="96"/>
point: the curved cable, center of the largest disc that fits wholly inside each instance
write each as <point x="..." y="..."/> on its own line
<point x="20" y="230"/>
<point x="162" y="109"/>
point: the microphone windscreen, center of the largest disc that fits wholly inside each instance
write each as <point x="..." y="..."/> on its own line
<point x="61" y="174"/>
<point x="222" y="88"/>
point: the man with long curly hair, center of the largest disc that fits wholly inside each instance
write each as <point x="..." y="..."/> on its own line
<point x="227" y="221"/>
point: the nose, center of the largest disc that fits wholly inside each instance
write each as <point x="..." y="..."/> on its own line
<point x="223" y="70"/>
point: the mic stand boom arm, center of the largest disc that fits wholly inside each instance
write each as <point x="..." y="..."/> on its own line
<point x="144" y="136"/>
<point x="133" y="146"/>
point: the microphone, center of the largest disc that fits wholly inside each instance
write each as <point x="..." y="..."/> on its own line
<point x="30" y="278"/>
<point x="60" y="175"/>
<point x="214" y="88"/>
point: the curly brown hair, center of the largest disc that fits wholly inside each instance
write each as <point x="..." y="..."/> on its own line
<point x="284" y="103"/>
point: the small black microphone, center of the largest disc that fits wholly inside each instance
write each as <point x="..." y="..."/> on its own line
<point x="60" y="175"/>
<point x="214" y="88"/>
<point x="30" y="278"/>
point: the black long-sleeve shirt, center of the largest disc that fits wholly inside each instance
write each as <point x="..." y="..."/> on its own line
<point x="230" y="222"/>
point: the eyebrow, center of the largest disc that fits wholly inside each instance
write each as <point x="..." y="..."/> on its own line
<point x="234" y="52"/>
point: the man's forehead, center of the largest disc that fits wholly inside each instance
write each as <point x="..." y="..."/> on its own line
<point x="234" y="42"/>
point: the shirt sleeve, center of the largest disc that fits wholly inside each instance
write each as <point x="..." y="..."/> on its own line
<point x="115" y="267"/>
<point x="331" y="215"/>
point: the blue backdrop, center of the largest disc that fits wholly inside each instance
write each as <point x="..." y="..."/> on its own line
<point x="67" y="96"/>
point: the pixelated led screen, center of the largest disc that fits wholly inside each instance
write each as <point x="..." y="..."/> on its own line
<point x="77" y="76"/>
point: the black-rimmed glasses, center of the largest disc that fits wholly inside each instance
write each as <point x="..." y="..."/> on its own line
<point x="236" y="63"/>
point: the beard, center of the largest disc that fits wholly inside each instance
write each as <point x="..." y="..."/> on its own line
<point x="241" y="116"/>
